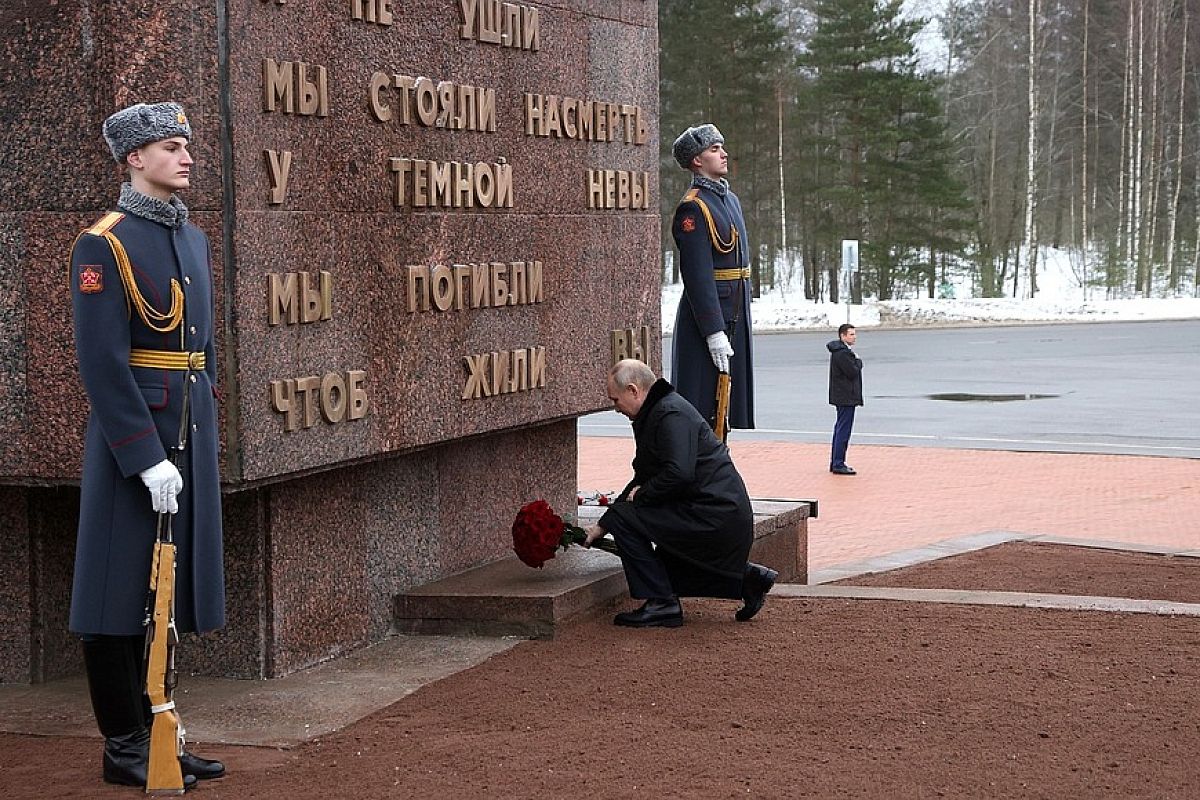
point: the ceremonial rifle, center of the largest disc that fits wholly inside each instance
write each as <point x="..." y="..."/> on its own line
<point x="721" y="416"/>
<point x="163" y="772"/>
<point x="721" y="429"/>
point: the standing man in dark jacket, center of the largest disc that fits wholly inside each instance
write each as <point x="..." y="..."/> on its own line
<point x="683" y="525"/>
<point x="141" y="288"/>
<point x="845" y="393"/>
<point x="712" y="325"/>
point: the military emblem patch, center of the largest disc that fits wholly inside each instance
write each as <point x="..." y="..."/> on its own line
<point x="91" y="278"/>
<point x="688" y="224"/>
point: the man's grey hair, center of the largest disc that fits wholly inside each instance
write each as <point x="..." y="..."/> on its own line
<point x="630" y="370"/>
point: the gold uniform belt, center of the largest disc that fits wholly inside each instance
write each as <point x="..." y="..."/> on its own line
<point x="166" y="359"/>
<point x="731" y="274"/>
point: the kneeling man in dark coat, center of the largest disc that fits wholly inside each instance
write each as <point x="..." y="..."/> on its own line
<point x="683" y="525"/>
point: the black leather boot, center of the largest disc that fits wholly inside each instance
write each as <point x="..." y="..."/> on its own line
<point x="113" y="665"/>
<point x="125" y="758"/>
<point x="202" y="768"/>
<point x="757" y="581"/>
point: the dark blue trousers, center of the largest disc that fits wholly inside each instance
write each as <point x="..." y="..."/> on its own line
<point x="841" y="435"/>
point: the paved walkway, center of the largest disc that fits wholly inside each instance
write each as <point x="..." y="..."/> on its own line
<point x="907" y="497"/>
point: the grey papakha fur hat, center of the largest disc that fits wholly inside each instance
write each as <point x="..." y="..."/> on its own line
<point x="130" y="128"/>
<point x="694" y="141"/>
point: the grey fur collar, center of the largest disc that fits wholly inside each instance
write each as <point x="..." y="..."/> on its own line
<point x="720" y="186"/>
<point x="172" y="213"/>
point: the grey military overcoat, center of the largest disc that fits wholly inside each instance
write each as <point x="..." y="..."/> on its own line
<point x="709" y="305"/>
<point x="134" y="419"/>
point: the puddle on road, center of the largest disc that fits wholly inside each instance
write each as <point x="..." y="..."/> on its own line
<point x="967" y="397"/>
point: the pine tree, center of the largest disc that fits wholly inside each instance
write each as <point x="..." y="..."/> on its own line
<point x="920" y="209"/>
<point x="718" y="63"/>
<point x="889" y="183"/>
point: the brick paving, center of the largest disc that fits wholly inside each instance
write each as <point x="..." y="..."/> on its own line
<point x="905" y="497"/>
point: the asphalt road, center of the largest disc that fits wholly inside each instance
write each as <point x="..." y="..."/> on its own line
<point x="1118" y="387"/>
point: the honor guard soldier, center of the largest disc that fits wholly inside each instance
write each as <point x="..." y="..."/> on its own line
<point x="142" y="292"/>
<point x="712" y="325"/>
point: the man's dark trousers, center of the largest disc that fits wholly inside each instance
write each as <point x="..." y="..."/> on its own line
<point x="841" y="435"/>
<point x="644" y="571"/>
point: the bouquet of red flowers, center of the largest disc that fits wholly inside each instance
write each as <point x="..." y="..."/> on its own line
<point x="538" y="532"/>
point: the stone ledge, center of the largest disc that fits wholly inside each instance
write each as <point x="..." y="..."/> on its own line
<point x="508" y="598"/>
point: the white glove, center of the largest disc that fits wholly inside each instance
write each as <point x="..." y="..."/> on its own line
<point x="164" y="483"/>
<point x="720" y="350"/>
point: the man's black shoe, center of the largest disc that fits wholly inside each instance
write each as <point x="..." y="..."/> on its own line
<point x="842" y="470"/>
<point x="203" y="768"/>
<point x="758" y="581"/>
<point x="652" y="614"/>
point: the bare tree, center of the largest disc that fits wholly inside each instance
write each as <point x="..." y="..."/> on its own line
<point x="1196" y="210"/>
<point x="1153" y="161"/>
<point x="1173" y="277"/>
<point x="1084" y="237"/>
<point x="785" y="280"/>
<point x="1031" y="152"/>
<point x="1135" y="160"/>
<point x="1116" y="276"/>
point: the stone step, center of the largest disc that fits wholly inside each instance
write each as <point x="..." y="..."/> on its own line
<point x="508" y="598"/>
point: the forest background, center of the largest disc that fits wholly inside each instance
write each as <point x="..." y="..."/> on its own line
<point x="1037" y="127"/>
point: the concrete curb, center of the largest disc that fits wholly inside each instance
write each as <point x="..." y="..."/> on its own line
<point x="1062" y="602"/>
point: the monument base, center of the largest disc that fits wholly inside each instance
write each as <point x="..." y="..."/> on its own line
<point x="312" y="564"/>
<point x="509" y="598"/>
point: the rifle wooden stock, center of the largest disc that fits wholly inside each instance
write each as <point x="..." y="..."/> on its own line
<point x="163" y="773"/>
<point x="721" y="426"/>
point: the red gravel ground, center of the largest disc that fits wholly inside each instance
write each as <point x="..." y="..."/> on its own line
<point x="1058" y="569"/>
<point x="814" y="698"/>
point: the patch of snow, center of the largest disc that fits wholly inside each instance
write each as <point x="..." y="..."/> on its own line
<point x="1061" y="297"/>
